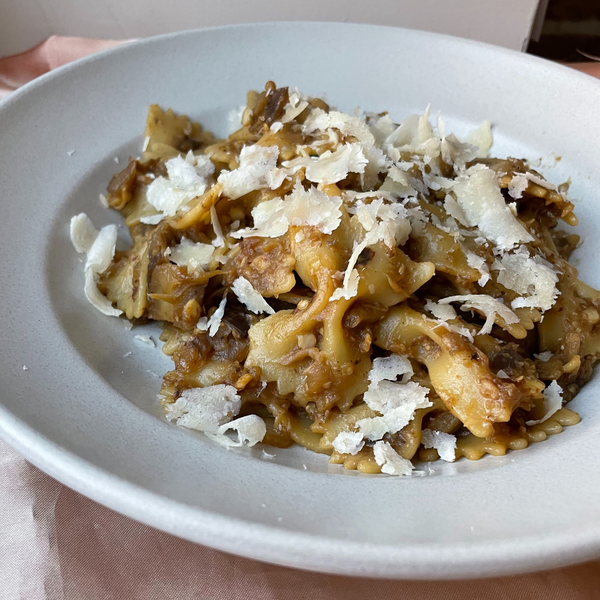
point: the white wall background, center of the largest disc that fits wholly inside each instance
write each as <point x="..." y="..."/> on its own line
<point x="24" y="23"/>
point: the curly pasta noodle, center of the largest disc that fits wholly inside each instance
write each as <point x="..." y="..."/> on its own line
<point x="374" y="292"/>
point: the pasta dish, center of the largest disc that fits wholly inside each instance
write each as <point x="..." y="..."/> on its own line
<point x="373" y="291"/>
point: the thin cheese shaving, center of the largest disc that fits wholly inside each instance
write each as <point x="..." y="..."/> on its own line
<point x="312" y="208"/>
<point x="478" y="263"/>
<point x="215" y="319"/>
<point x="517" y="185"/>
<point x="219" y="241"/>
<point x="100" y="249"/>
<point x="444" y="312"/>
<point x="330" y="167"/>
<point x="349" y="442"/>
<point x="533" y="278"/>
<point x="256" y="165"/>
<point x="552" y="402"/>
<point x="478" y="195"/>
<point x="187" y="180"/>
<point x="247" y="295"/>
<point x="390" y="461"/>
<point x="193" y="255"/>
<point x="206" y="408"/>
<point x="488" y="306"/>
<point x="83" y="233"/>
<point x="444" y="443"/>
<point x="250" y="430"/>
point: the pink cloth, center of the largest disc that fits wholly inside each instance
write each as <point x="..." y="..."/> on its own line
<point x="57" y="545"/>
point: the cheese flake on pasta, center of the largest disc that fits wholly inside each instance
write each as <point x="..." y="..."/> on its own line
<point x="517" y="185"/>
<point x="193" y="255"/>
<point x="205" y="409"/>
<point x="254" y="172"/>
<point x="330" y="167"/>
<point x="552" y="402"/>
<point x="187" y="180"/>
<point x="99" y="246"/>
<point x="297" y="104"/>
<point x="349" y="442"/>
<point x="250" y="430"/>
<point x="390" y="461"/>
<point x="487" y="305"/>
<point x="479" y="264"/>
<point x="482" y="203"/>
<point x="312" y="208"/>
<point x="533" y="279"/>
<point x="215" y="319"/>
<point x="83" y="233"/>
<point x="444" y="443"/>
<point x="248" y="296"/>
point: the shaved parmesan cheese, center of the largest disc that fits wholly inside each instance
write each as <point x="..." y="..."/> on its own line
<point x="152" y="219"/>
<point x="478" y="263"/>
<point x="193" y="255"/>
<point x="444" y="443"/>
<point x="276" y="126"/>
<point x="533" y="279"/>
<point x="400" y="183"/>
<point x="390" y="461"/>
<point x="205" y="409"/>
<point x="250" y="430"/>
<point x="100" y="249"/>
<point x="103" y="200"/>
<point x="294" y="107"/>
<point x="96" y="298"/>
<point x="349" y="442"/>
<point x="215" y="319"/>
<point x="455" y="152"/>
<point x="490" y="307"/>
<point x="202" y="324"/>
<point x="187" y="180"/>
<point x="478" y="195"/>
<point x="540" y="181"/>
<point x="330" y="167"/>
<point x="301" y="207"/>
<point x="552" y="402"/>
<point x="517" y="185"/>
<point x="256" y="162"/>
<point x="382" y="222"/>
<point x="318" y="119"/>
<point x="202" y="164"/>
<point x="397" y="402"/>
<point x="145" y="144"/>
<point x="387" y="222"/>
<point x="219" y="241"/>
<point x="544" y="356"/>
<point x="452" y="207"/>
<point x="390" y="368"/>
<point x="350" y="126"/>
<point x="444" y="312"/>
<point x="145" y="339"/>
<point x="482" y="138"/>
<point x="167" y="198"/>
<point x="83" y="233"/>
<point x="100" y="255"/>
<point x="349" y="287"/>
<point x="247" y="295"/>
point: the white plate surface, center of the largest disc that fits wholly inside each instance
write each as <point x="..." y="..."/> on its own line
<point x="88" y="416"/>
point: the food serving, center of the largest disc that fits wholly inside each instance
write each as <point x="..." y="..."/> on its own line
<point x="372" y="291"/>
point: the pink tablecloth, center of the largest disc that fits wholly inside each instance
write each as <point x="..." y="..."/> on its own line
<point x="57" y="545"/>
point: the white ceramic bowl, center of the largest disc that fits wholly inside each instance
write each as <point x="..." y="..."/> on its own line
<point x="89" y="417"/>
